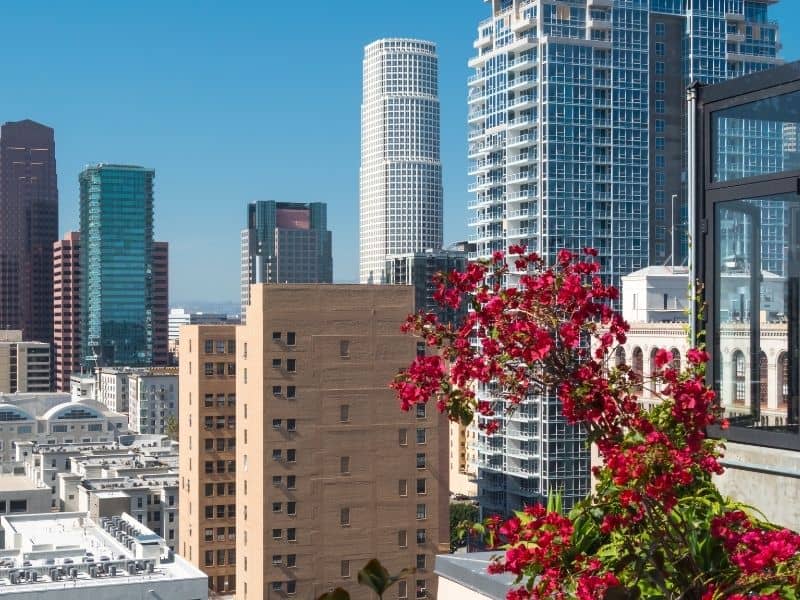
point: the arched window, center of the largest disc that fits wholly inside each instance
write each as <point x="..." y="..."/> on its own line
<point x="638" y="364"/>
<point x="676" y="359"/>
<point x="653" y="368"/>
<point x="783" y="379"/>
<point x="763" y="387"/>
<point x="738" y="377"/>
<point x="619" y="356"/>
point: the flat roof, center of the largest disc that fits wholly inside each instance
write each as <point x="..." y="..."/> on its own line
<point x="470" y="571"/>
<point x="40" y="543"/>
<point x="18" y="483"/>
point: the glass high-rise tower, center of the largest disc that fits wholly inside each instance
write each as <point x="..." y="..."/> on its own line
<point x="116" y="262"/>
<point x="401" y="169"/>
<point x="576" y="138"/>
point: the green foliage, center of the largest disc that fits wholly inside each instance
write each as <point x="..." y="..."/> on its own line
<point x="172" y="428"/>
<point x="463" y="516"/>
<point x="374" y="576"/>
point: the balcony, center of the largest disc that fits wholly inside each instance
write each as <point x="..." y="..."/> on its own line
<point x="520" y="122"/>
<point x="523" y="101"/>
<point x="520" y="63"/>
<point x="601" y="3"/>
<point x="521" y="81"/>
<point x="523" y="42"/>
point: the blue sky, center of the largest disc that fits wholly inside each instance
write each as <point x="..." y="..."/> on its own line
<point x="232" y="102"/>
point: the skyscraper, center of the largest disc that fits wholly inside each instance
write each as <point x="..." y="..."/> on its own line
<point x="576" y="139"/>
<point x="28" y="228"/>
<point x="285" y="242"/>
<point x="706" y="42"/>
<point x="116" y="263"/>
<point x="401" y="170"/>
<point x="160" y="303"/>
<point x="66" y="309"/>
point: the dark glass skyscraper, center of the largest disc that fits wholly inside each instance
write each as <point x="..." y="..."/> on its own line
<point x="116" y="258"/>
<point x="285" y="242"/>
<point x="28" y="228"/>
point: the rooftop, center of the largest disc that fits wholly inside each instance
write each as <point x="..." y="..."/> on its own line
<point x="17" y="483"/>
<point x="47" y="549"/>
<point x="469" y="571"/>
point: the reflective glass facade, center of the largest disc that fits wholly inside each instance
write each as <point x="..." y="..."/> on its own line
<point x="577" y="138"/>
<point x="748" y="215"/>
<point x="116" y="258"/>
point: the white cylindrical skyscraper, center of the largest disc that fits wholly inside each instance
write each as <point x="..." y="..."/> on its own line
<point x="401" y="169"/>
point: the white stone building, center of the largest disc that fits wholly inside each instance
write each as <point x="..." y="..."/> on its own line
<point x="72" y="556"/>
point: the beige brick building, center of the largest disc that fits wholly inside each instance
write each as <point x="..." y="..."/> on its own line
<point x="331" y="472"/>
<point x="24" y="366"/>
<point x="207" y="431"/>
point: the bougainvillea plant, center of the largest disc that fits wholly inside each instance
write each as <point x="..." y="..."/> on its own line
<point x="655" y="525"/>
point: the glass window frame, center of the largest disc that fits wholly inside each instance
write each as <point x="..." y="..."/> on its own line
<point x="711" y="194"/>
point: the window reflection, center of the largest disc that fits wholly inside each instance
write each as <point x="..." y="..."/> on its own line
<point x="758" y="245"/>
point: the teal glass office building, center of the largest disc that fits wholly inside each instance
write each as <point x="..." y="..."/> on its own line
<point x="577" y="137"/>
<point x="116" y="259"/>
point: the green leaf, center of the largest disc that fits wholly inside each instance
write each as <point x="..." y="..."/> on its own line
<point x="374" y="576"/>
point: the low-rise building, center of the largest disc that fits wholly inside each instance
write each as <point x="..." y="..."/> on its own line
<point x="54" y="418"/>
<point x="138" y="475"/>
<point x="69" y="556"/>
<point x="18" y="494"/>
<point x="465" y="577"/>
<point x="24" y="366"/>
<point x="148" y="394"/>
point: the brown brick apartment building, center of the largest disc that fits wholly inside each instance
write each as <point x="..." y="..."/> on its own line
<point x="330" y="472"/>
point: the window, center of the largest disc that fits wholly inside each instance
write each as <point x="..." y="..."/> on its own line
<point x="660" y="142"/>
<point x="420" y="460"/>
<point x="660" y="67"/>
<point x="209" y="558"/>
<point x="208" y="401"/>
<point x="209" y="512"/>
<point x="276" y="507"/>
<point x="421" y="411"/>
<point x="276" y="480"/>
<point x="402" y="437"/>
<point x="661" y="49"/>
<point x="661" y="86"/>
<point x="291" y="560"/>
<point x="291" y="365"/>
<point x="208" y="347"/>
<point x="231" y="369"/>
<point x="421" y="536"/>
<point x="276" y="336"/>
<point x="421" y="486"/>
<point x="660" y="107"/>
<point x="291" y="509"/>
<point x="276" y="534"/>
<point x="291" y="455"/>
<point x="277" y="559"/>
<point x="344" y="349"/>
<point x="421" y="435"/>
<point x="402" y="538"/>
<point x="208" y="369"/>
<point x="420" y="562"/>
<point x="220" y="369"/>
<point x="291" y="587"/>
<point x="231" y="346"/>
<point x="276" y="423"/>
<point x="209" y="444"/>
<point x="276" y="363"/>
<point x="344" y="465"/>
<point x="402" y="487"/>
<point x="277" y="454"/>
<point x="291" y="534"/>
<point x="660" y="29"/>
<point x="402" y="590"/>
<point x="209" y="488"/>
<point x="208" y="535"/>
<point x="291" y="391"/>
<point x="209" y="466"/>
<point x="291" y="425"/>
<point x="344" y="517"/>
<point x="277" y="586"/>
<point x="276" y="390"/>
<point x="291" y="482"/>
<point x="344" y="413"/>
<point x="660" y="125"/>
<point x="290" y="338"/>
<point x="422" y="511"/>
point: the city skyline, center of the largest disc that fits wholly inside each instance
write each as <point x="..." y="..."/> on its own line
<point x="232" y="113"/>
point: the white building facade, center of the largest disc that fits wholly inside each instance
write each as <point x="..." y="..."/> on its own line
<point x="401" y="171"/>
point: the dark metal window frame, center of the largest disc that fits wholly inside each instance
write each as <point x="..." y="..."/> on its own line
<point x="709" y="193"/>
